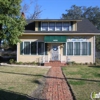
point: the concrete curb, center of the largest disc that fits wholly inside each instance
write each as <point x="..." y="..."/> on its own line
<point x="13" y="65"/>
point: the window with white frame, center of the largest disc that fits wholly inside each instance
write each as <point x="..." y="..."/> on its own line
<point x="78" y="48"/>
<point x="44" y="26"/>
<point x="32" y="48"/>
<point x="58" y="26"/>
<point x="51" y="26"/>
<point x="26" y="48"/>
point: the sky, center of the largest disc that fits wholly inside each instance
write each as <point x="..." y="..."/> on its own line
<point x="53" y="9"/>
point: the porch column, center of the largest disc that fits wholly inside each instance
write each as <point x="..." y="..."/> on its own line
<point x="94" y="49"/>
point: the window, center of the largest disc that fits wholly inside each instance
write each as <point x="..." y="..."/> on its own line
<point x="44" y="26"/>
<point x="58" y="26"/>
<point x="76" y="48"/>
<point x="84" y="48"/>
<point x="66" y="26"/>
<point x="40" y="48"/>
<point x="33" y="48"/>
<point x="26" y="47"/>
<point x="51" y="26"/>
<point x="70" y="48"/>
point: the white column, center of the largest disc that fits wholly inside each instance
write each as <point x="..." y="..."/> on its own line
<point x="66" y="52"/>
<point x="17" y="51"/>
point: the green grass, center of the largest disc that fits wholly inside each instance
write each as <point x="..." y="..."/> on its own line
<point x="18" y="83"/>
<point x="83" y="80"/>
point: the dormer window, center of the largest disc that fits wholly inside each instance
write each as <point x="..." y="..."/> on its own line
<point x="65" y="26"/>
<point x="56" y="26"/>
<point x="44" y="26"/>
<point x="51" y="26"/>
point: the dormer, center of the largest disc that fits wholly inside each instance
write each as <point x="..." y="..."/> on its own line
<point x="56" y="25"/>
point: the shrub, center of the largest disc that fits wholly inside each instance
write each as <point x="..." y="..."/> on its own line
<point x="11" y="61"/>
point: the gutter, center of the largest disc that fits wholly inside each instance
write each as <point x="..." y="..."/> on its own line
<point x="61" y="34"/>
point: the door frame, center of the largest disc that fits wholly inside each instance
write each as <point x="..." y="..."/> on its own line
<point x="58" y="44"/>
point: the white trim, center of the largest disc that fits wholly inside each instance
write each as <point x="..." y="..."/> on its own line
<point x="60" y="33"/>
<point x="80" y="48"/>
<point x="17" y="51"/>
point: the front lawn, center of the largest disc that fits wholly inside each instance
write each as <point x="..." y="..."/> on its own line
<point x="18" y="83"/>
<point x="83" y="80"/>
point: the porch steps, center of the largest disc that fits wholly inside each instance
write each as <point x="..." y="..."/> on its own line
<point x="55" y="64"/>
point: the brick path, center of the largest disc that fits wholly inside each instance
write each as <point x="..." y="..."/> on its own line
<point x="56" y="87"/>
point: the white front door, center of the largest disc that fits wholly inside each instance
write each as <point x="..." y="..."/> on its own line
<point x="55" y="52"/>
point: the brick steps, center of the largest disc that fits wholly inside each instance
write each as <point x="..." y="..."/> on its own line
<point x="55" y="64"/>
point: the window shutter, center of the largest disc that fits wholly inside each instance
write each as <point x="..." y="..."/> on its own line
<point x="21" y="48"/>
<point x="71" y="25"/>
<point x="89" y="48"/>
<point x="64" y="49"/>
<point x="45" y="48"/>
<point x="39" y="26"/>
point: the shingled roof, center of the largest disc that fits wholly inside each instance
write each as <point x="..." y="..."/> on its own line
<point x="83" y="26"/>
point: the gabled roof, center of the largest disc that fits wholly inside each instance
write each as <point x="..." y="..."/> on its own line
<point x="83" y="26"/>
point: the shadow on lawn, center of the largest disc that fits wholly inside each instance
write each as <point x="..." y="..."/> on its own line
<point x="80" y="79"/>
<point x="8" y="95"/>
<point x="20" y="73"/>
<point x="95" y="66"/>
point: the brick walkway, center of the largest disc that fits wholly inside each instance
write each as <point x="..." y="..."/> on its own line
<point x="56" y="87"/>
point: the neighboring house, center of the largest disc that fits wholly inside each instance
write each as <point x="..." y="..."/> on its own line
<point x="58" y="40"/>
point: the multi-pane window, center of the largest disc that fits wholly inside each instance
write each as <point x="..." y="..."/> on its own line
<point x="65" y="26"/>
<point x="26" y="47"/>
<point x="78" y="48"/>
<point x="51" y="26"/>
<point x="44" y="26"/>
<point x="58" y="26"/>
<point x="84" y="48"/>
<point x="70" y="48"/>
<point x="33" y="48"/>
<point x="40" y="48"/>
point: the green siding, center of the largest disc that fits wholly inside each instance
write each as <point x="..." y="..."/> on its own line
<point x="21" y="48"/>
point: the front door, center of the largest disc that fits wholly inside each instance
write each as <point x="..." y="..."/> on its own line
<point x="55" y="52"/>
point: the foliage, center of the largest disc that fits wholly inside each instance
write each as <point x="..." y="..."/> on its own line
<point x="91" y="13"/>
<point x="11" y="61"/>
<point x="11" y="22"/>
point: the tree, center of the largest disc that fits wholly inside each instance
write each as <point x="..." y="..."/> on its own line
<point x="12" y="24"/>
<point x="79" y="12"/>
<point x="75" y="12"/>
<point x="91" y="13"/>
<point x="36" y="9"/>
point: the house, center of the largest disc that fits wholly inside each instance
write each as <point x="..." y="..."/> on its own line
<point x="58" y="40"/>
